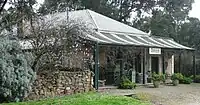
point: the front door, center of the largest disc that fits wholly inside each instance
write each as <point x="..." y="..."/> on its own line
<point x="155" y="64"/>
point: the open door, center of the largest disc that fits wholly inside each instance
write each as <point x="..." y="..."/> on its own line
<point x="155" y="64"/>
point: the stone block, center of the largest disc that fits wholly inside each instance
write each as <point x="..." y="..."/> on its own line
<point x="50" y="84"/>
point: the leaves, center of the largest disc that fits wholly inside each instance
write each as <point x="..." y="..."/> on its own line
<point x="16" y="77"/>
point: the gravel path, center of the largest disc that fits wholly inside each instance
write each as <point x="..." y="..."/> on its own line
<point x="165" y="95"/>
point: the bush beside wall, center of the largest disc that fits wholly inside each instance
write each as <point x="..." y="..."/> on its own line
<point x="16" y="74"/>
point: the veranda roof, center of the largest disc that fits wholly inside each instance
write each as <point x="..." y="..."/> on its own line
<point x="112" y="32"/>
<point x="136" y="40"/>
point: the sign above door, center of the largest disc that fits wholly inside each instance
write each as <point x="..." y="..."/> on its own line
<point x="155" y="51"/>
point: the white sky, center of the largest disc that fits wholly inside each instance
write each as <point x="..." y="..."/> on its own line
<point x="195" y="9"/>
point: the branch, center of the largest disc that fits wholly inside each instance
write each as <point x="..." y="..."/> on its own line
<point x="4" y="3"/>
<point x="36" y="60"/>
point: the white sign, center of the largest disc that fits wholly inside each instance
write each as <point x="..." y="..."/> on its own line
<point x="154" y="50"/>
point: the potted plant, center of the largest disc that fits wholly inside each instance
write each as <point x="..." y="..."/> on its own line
<point x="175" y="78"/>
<point x="156" y="80"/>
<point x="163" y="78"/>
<point x="126" y="83"/>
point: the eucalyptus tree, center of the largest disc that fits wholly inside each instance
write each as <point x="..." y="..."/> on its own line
<point x="190" y="33"/>
<point x="120" y="10"/>
<point x="166" y="18"/>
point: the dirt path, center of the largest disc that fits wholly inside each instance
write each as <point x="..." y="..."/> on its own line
<point x="165" y="95"/>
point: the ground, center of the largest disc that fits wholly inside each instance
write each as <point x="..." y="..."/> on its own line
<point x="165" y="95"/>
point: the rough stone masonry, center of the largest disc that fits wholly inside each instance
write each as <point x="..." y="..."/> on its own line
<point x="58" y="83"/>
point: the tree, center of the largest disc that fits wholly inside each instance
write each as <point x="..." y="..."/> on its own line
<point x="51" y="6"/>
<point x="167" y="19"/>
<point x="16" y="76"/>
<point x="120" y="10"/>
<point x="2" y="5"/>
<point x="52" y="40"/>
<point x="18" y="12"/>
<point x="189" y="33"/>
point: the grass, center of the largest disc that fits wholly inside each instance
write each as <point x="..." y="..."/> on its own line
<point x="85" y="99"/>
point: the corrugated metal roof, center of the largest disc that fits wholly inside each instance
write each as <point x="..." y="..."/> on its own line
<point x="96" y="21"/>
<point x="127" y="39"/>
<point x="104" y="38"/>
<point x="104" y="23"/>
<point x="110" y="31"/>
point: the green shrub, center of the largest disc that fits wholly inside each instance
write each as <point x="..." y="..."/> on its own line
<point x="186" y="80"/>
<point x="177" y="76"/>
<point x="192" y="77"/>
<point x="16" y="75"/>
<point x="126" y="83"/>
<point x="197" y="79"/>
<point x="156" y="77"/>
<point x="182" y="79"/>
<point x="163" y="77"/>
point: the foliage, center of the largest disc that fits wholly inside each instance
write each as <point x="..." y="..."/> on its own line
<point x="18" y="11"/>
<point x="126" y="83"/>
<point x="189" y="33"/>
<point x="156" y="77"/>
<point x="52" y="39"/>
<point x="171" y="20"/>
<point x="120" y="10"/>
<point x="55" y="40"/>
<point x="186" y="80"/>
<point x="86" y="99"/>
<point x="197" y="79"/>
<point x="177" y="76"/>
<point x="2" y="5"/>
<point x="16" y="75"/>
<point x="163" y="77"/>
<point x="182" y="79"/>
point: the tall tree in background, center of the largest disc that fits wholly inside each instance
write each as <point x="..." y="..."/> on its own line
<point x="120" y="10"/>
<point x="18" y="12"/>
<point x="167" y="18"/>
<point x="190" y="33"/>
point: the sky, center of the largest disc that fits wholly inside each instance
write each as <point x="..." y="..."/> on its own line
<point x="195" y="9"/>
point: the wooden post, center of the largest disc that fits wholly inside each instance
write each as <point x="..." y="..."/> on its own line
<point x="163" y="61"/>
<point x="179" y="62"/>
<point x="121" y="68"/>
<point x="144" y="60"/>
<point x="96" y="71"/>
<point x="194" y="64"/>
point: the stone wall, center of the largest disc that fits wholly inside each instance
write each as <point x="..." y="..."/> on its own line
<point x="57" y="83"/>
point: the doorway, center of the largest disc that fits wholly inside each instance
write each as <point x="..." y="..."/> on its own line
<point x="138" y="69"/>
<point x="155" y="64"/>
